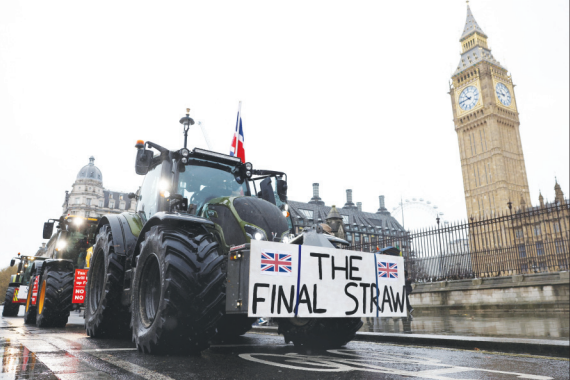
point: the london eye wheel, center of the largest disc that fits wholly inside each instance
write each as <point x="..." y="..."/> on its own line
<point x="416" y="213"/>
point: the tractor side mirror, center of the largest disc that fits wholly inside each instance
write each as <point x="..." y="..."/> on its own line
<point x="48" y="229"/>
<point x="282" y="190"/>
<point x="12" y="262"/>
<point x="143" y="161"/>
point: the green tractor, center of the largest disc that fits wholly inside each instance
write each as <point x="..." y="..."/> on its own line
<point x="17" y="291"/>
<point x="163" y="270"/>
<point x="57" y="280"/>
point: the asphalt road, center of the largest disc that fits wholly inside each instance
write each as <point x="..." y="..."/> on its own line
<point x="67" y="353"/>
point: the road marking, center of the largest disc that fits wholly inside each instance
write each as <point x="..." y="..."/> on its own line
<point x="346" y="360"/>
<point x="104" y="349"/>
<point x="247" y="345"/>
<point x="133" y="368"/>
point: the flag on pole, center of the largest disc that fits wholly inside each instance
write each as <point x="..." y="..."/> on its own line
<point x="237" y="142"/>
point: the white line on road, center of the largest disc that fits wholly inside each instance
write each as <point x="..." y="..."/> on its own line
<point x="133" y="368"/>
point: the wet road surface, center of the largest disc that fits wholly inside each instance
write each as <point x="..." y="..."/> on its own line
<point x="32" y="353"/>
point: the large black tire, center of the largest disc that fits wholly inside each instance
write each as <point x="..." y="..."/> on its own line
<point x="10" y="309"/>
<point x="30" y="313"/>
<point x="322" y="333"/>
<point x="178" y="292"/>
<point x="55" y="292"/>
<point x="105" y="316"/>
<point x="232" y="326"/>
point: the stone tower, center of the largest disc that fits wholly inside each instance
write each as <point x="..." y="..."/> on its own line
<point x="487" y="125"/>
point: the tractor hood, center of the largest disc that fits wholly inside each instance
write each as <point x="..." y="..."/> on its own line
<point x="262" y="214"/>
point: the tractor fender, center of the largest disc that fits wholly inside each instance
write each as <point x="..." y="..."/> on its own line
<point x="124" y="238"/>
<point x="164" y="218"/>
<point x="56" y="265"/>
<point x="37" y="266"/>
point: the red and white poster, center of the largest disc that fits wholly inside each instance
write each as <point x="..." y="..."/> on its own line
<point x="35" y="290"/>
<point x="79" y="285"/>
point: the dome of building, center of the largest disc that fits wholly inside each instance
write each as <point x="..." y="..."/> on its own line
<point x="90" y="171"/>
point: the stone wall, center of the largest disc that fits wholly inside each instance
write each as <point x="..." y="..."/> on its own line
<point x="534" y="292"/>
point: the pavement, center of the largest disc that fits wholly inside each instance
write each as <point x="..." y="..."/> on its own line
<point x="67" y="353"/>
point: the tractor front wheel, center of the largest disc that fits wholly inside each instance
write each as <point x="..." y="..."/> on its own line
<point x="10" y="309"/>
<point x="178" y="292"/>
<point x="54" y="297"/>
<point x="104" y="314"/>
<point x="325" y="333"/>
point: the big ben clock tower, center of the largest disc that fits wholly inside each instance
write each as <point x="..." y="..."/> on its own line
<point x="487" y="125"/>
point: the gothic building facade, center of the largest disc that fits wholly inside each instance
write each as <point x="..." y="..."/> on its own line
<point x="364" y="230"/>
<point x="88" y="197"/>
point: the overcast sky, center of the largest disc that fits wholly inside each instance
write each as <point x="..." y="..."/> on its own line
<point x="347" y="94"/>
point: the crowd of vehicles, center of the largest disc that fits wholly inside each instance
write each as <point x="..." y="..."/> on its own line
<point x="169" y="274"/>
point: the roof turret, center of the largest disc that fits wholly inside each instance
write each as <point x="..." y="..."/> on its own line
<point x="471" y="26"/>
<point x="90" y="171"/>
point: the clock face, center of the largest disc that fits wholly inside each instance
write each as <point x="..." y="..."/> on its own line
<point x="503" y="94"/>
<point x="468" y="98"/>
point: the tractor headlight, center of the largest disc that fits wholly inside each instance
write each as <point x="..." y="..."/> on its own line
<point x="184" y="152"/>
<point x="285" y="240"/>
<point x="248" y="174"/>
<point x="60" y="245"/>
<point x="184" y="160"/>
<point x="254" y="232"/>
<point x="248" y="166"/>
<point x="78" y="221"/>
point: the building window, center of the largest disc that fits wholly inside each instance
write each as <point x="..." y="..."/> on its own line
<point x="539" y="249"/>
<point x="88" y="200"/>
<point x="356" y="237"/>
<point x="122" y="205"/>
<point x="522" y="250"/>
<point x="519" y="233"/>
<point x="112" y="204"/>
<point x="100" y="203"/>
<point x="308" y="213"/>
<point x="89" y="188"/>
<point x="77" y="201"/>
<point x="558" y="244"/>
<point x="345" y="219"/>
<point x="349" y="236"/>
<point x="556" y="226"/>
<point x="120" y="197"/>
<point x="536" y="230"/>
<point x="110" y="195"/>
<point x="365" y="238"/>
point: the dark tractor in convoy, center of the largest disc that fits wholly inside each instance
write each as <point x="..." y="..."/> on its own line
<point x="17" y="291"/>
<point x="51" y="297"/>
<point x="161" y="272"/>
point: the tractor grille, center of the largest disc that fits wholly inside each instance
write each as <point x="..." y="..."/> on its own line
<point x="262" y="214"/>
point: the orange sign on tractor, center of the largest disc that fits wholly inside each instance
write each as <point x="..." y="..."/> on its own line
<point x="79" y="285"/>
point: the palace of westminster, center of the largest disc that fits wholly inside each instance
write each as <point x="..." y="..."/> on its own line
<point x="486" y="121"/>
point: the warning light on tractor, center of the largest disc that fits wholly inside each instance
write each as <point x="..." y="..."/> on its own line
<point x="139" y="144"/>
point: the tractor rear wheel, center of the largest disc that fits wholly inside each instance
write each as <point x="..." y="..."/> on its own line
<point x="55" y="293"/>
<point x="178" y="292"/>
<point x="232" y="326"/>
<point x="104" y="314"/>
<point x="322" y="333"/>
<point x="30" y="314"/>
<point x="10" y="309"/>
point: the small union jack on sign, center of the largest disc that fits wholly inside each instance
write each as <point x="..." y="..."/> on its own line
<point x="387" y="270"/>
<point x="276" y="263"/>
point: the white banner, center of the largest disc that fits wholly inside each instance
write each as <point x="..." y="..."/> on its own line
<point x="287" y="280"/>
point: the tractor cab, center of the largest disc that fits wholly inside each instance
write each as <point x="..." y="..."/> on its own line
<point x="243" y="202"/>
<point x="22" y="277"/>
<point x="72" y="240"/>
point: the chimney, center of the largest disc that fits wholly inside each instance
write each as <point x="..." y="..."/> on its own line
<point x="349" y="203"/>
<point x="359" y="206"/>
<point x="316" y="199"/>
<point x="382" y="210"/>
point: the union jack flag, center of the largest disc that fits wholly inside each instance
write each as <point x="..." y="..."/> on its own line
<point x="276" y="263"/>
<point x="237" y="148"/>
<point x="387" y="270"/>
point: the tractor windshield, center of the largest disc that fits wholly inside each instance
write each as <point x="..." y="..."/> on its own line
<point x="73" y="244"/>
<point x="202" y="181"/>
